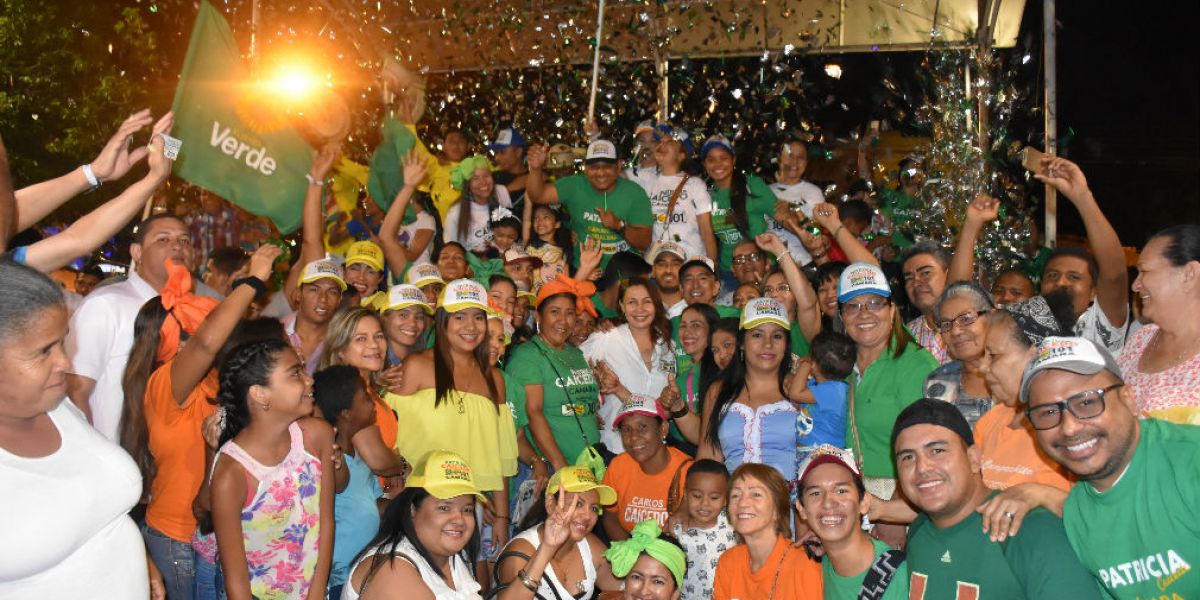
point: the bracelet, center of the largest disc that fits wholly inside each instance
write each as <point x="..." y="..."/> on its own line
<point x="313" y="182"/>
<point x="529" y="584"/>
<point x="91" y="176"/>
<point x="260" y="288"/>
<point x="679" y="414"/>
<point x="837" y="231"/>
<point x="500" y="518"/>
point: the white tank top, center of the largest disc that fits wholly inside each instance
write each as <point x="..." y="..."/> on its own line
<point x="560" y="591"/>
<point x="465" y="586"/>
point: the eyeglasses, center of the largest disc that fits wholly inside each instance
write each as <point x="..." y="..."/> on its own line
<point x="742" y="259"/>
<point x="849" y="309"/>
<point x="782" y="288"/>
<point x="1084" y="405"/>
<point x="964" y="320"/>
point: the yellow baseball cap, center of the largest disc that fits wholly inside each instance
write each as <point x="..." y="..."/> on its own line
<point x="760" y="311"/>
<point x="580" y="479"/>
<point x="323" y="269"/>
<point x="365" y="253"/>
<point x="404" y="296"/>
<point x="444" y="475"/>
<point x="462" y="294"/>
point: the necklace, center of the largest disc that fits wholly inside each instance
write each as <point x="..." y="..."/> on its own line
<point x="1179" y="357"/>
<point x="778" y="570"/>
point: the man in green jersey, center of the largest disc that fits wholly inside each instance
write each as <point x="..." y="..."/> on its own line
<point x="604" y="206"/>
<point x="833" y="501"/>
<point x="949" y="555"/>
<point x="1134" y="516"/>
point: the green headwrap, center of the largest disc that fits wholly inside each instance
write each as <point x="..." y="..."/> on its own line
<point x="465" y="170"/>
<point x="644" y="538"/>
<point x="483" y="270"/>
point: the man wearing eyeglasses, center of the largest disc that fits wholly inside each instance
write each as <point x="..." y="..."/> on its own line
<point x="1134" y="516"/>
<point x="749" y="267"/>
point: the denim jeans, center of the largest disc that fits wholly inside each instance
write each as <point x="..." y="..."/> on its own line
<point x="176" y="561"/>
<point x="210" y="580"/>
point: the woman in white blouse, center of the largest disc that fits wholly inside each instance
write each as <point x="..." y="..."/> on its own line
<point x="634" y="358"/>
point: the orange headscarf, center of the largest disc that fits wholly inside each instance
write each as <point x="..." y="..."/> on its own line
<point x="562" y="284"/>
<point x="185" y="310"/>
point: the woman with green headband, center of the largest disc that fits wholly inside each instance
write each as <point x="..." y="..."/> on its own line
<point x="467" y="222"/>
<point x="651" y="565"/>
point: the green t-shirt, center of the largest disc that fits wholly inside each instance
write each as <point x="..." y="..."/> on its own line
<point x="847" y="588"/>
<point x="800" y="345"/>
<point x="684" y="360"/>
<point x="888" y="387"/>
<point x="602" y="308"/>
<point x="1141" y="538"/>
<point x="961" y="561"/>
<point x="514" y="396"/>
<point x="627" y="200"/>
<point x="760" y="203"/>
<point x="897" y="206"/>
<point x="569" y="393"/>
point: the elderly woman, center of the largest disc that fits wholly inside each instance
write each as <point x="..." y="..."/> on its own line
<point x="651" y="565"/>
<point x="67" y="490"/>
<point x="1161" y="361"/>
<point x="960" y="311"/>
<point x="765" y="565"/>
<point x="890" y="372"/>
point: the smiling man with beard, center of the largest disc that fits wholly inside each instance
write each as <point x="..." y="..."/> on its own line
<point x="949" y="553"/>
<point x="665" y="261"/>
<point x="1133" y="517"/>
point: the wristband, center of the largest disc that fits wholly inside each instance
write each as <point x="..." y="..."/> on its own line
<point x="837" y="231"/>
<point x="313" y="182"/>
<point x="91" y="176"/>
<point x="260" y="288"/>
<point x="679" y="414"/>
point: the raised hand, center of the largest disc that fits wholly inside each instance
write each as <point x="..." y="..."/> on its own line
<point x="826" y="215"/>
<point x="414" y="169"/>
<point x="160" y="165"/>
<point x="392" y="377"/>
<point x="983" y="209"/>
<point x="324" y="160"/>
<point x="535" y="156"/>
<point x="1065" y="176"/>
<point x="557" y="529"/>
<point x="262" y="262"/>
<point x="771" y="243"/>
<point x="118" y="155"/>
<point x="670" y="399"/>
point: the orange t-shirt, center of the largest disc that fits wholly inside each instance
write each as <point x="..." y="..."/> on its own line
<point x="641" y="496"/>
<point x="386" y="420"/>
<point x="177" y="444"/>
<point x="787" y="573"/>
<point x="1012" y="456"/>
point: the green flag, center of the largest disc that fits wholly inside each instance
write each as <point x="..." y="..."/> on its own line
<point x="237" y="143"/>
<point x="387" y="171"/>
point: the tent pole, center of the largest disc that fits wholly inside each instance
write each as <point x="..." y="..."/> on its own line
<point x="596" y="62"/>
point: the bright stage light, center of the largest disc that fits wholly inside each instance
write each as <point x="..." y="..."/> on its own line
<point x="294" y="83"/>
<point x="833" y="70"/>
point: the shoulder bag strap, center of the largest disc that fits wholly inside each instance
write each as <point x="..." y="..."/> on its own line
<point x="880" y="575"/>
<point x="858" y="457"/>
<point x="566" y="392"/>
<point x="671" y="204"/>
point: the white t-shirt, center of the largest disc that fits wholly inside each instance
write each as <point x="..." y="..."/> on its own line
<point x="806" y="196"/>
<point x="479" y="231"/>
<point x="641" y="176"/>
<point x="681" y="227"/>
<point x="465" y="586"/>
<point x="617" y="348"/>
<point x="408" y="233"/>
<point x="65" y="522"/>
<point x="1094" y="325"/>
<point x="99" y="342"/>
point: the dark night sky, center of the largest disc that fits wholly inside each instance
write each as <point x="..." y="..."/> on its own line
<point x="1129" y="91"/>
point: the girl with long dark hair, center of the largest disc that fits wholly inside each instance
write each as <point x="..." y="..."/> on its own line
<point x="469" y="221"/>
<point x="452" y="397"/>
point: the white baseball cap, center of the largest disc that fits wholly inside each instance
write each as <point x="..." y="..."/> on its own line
<point x="601" y="151"/>
<point x="862" y="278"/>
<point x="760" y="311"/>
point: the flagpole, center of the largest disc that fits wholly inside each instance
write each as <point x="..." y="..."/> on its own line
<point x="254" y="33"/>
<point x="596" y="63"/>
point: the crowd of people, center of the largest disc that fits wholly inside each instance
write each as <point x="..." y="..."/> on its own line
<point x="659" y="377"/>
